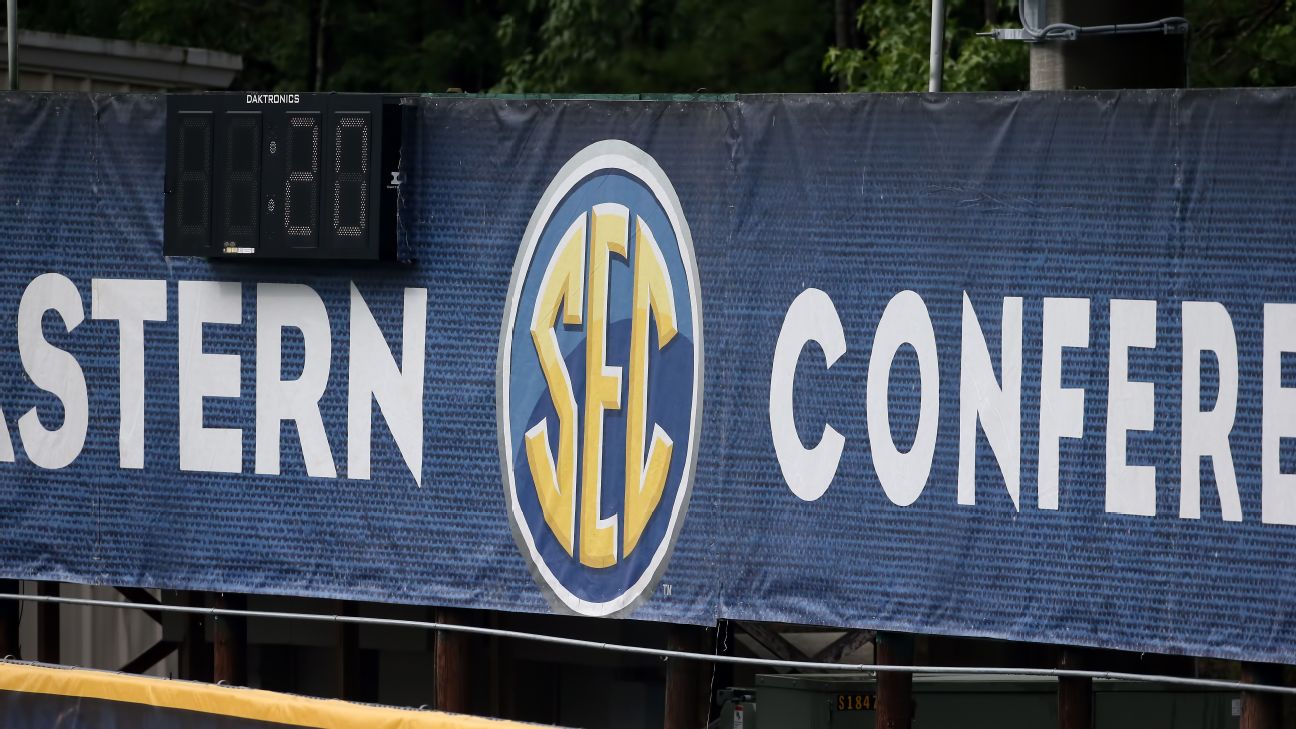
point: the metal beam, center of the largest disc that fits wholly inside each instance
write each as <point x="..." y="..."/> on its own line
<point x="773" y="642"/>
<point x="852" y="641"/>
<point x="151" y="656"/>
<point x="143" y="597"/>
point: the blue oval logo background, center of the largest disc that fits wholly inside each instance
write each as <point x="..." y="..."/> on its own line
<point x="673" y="382"/>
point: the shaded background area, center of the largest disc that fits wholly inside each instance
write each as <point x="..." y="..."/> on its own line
<point x="631" y="46"/>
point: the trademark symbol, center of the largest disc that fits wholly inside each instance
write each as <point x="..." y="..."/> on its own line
<point x="666" y="590"/>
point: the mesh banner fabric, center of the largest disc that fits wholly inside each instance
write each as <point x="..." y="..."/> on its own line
<point x="1001" y="365"/>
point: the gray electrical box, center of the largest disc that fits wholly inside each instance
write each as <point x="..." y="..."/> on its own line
<point x="849" y="701"/>
<point x="737" y="708"/>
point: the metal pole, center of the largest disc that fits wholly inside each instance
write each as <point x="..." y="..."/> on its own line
<point x="1208" y="683"/>
<point x="937" y="45"/>
<point x="1142" y="61"/>
<point x="11" y="24"/>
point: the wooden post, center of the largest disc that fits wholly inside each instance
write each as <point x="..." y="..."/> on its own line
<point x="195" y="658"/>
<point x="493" y="651"/>
<point x="686" y="699"/>
<point x="47" y="624"/>
<point x="9" y="615"/>
<point x="348" y="653"/>
<point x="1075" y="695"/>
<point x="230" y="661"/>
<point x="452" y="658"/>
<point x="507" y="676"/>
<point x="894" y="690"/>
<point x="1261" y="710"/>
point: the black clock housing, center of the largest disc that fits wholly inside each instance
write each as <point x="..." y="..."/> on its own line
<point x="285" y="175"/>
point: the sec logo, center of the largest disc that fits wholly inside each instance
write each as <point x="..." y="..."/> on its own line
<point x="600" y="380"/>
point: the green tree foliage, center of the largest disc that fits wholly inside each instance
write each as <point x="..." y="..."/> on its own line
<point x="535" y="46"/>
<point x="340" y="45"/>
<point x="1232" y="43"/>
<point x="632" y="46"/>
<point x="665" y="46"/>
<point x="1242" y="42"/>
<point x="896" y="35"/>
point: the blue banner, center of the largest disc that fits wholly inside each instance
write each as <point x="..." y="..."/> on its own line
<point x="1001" y="365"/>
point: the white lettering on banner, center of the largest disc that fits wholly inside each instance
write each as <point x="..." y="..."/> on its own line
<point x="1066" y="325"/>
<point x="130" y="303"/>
<point x="204" y="375"/>
<point x="6" y="443"/>
<point x="1278" y="420"/>
<point x="373" y="375"/>
<point x="1130" y="406"/>
<point x="995" y="403"/>
<point x="54" y="370"/>
<point x="905" y="321"/>
<point x="376" y="376"/>
<point x="281" y="306"/>
<point x="811" y="318"/>
<point x="982" y="399"/>
<point x="1207" y="327"/>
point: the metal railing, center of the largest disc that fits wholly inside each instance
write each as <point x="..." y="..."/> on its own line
<point x="663" y="653"/>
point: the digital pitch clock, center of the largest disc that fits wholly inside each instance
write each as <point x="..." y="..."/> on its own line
<point x="287" y="175"/>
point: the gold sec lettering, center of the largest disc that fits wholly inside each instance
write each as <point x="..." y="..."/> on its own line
<point x="564" y="288"/>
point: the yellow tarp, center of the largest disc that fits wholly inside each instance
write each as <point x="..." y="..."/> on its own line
<point x="252" y="704"/>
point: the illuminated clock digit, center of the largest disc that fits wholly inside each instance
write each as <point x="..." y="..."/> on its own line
<point x="301" y="183"/>
<point x="351" y="176"/>
<point x="242" y="179"/>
